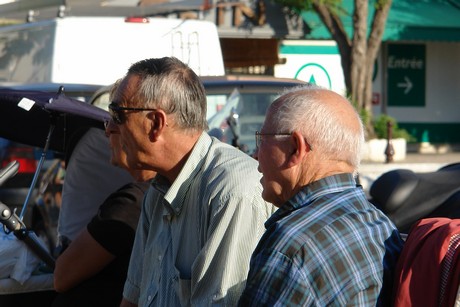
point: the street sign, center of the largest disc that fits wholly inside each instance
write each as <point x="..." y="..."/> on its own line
<point x="314" y="73"/>
<point x="406" y="66"/>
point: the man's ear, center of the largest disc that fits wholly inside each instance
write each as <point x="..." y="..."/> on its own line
<point x="156" y="123"/>
<point x="299" y="148"/>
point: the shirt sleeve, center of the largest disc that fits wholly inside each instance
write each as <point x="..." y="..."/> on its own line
<point x="114" y="225"/>
<point x="235" y="227"/>
<point x="115" y="236"/>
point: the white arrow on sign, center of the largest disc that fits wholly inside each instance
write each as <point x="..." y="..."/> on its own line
<point x="407" y="84"/>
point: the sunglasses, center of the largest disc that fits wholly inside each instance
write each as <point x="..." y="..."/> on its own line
<point x="118" y="115"/>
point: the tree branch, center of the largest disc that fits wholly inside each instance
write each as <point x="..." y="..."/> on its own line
<point x="335" y="26"/>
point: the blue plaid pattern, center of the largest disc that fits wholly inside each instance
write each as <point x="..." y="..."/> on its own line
<point x="327" y="246"/>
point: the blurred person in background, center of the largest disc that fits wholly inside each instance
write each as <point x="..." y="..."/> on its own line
<point x="90" y="179"/>
<point x="92" y="270"/>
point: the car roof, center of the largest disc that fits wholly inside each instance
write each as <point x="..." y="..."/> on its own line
<point x="214" y="84"/>
<point x="249" y="80"/>
<point x="236" y="80"/>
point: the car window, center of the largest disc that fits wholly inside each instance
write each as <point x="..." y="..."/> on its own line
<point x="246" y="109"/>
<point x="101" y="100"/>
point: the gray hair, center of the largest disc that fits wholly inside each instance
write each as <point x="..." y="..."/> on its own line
<point x="113" y="89"/>
<point x="302" y="109"/>
<point x="172" y="86"/>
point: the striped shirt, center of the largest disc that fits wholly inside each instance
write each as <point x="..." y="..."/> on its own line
<point x="327" y="246"/>
<point x="195" y="237"/>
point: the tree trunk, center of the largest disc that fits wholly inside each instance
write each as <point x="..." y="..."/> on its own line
<point x="373" y="46"/>
<point x="358" y="55"/>
<point x="359" y="52"/>
<point x="335" y="26"/>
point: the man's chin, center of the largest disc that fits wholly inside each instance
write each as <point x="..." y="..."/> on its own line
<point x="265" y="196"/>
<point x="270" y="197"/>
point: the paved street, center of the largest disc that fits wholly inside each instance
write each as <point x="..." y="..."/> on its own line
<point x="369" y="171"/>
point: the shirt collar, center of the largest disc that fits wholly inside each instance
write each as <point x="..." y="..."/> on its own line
<point x="312" y="191"/>
<point x="177" y="192"/>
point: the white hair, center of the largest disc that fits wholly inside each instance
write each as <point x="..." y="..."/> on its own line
<point x="302" y="109"/>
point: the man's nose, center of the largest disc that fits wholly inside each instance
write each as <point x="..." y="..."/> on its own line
<point x="110" y="128"/>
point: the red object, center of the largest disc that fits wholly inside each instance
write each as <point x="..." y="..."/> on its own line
<point x="375" y="99"/>
<point x="428" y="268"/>
<point x="24" y="155"/>
<point x="137" y="19"/>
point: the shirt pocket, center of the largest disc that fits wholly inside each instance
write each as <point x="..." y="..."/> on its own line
<point x="182" y="287"/>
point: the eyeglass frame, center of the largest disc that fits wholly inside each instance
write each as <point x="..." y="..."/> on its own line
<point x="259" y="135"/>
<point x="116" y="115"/>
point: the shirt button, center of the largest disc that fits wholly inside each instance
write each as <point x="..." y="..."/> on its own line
<point x="149" y="298"/>
<point x="159" y="258"/>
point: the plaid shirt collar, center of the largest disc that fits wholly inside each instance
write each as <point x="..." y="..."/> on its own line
<point x="331" y="184"/>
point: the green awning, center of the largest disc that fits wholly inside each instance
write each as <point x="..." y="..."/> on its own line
<point x="408" y="20"/>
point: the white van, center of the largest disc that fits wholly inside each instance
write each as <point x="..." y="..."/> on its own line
<point x="99" y="50"/>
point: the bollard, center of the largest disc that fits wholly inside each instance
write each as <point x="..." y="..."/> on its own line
<point x="389" y="151"/>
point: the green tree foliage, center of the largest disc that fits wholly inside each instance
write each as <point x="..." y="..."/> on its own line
<point x="381" y="128"/>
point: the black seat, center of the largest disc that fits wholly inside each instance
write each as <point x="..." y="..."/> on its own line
<point x="406" y="196"/>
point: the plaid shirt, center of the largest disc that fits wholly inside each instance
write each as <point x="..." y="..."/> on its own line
<point x="326" y="246"/>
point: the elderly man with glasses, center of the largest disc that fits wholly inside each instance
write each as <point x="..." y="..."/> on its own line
<point x="326" y="245"/>
<point x="203" y="213"/>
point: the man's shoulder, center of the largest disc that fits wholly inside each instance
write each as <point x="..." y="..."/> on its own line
<point x="212" y="153"/>
<point x="129" y="195"/>
<point x="230" y="164"/>
<point x="229" y="171"/>
<point x="227" y="155"/>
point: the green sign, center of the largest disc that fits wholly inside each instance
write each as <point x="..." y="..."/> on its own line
<point x="406" y="66"/>
<point x="314" y="73"/>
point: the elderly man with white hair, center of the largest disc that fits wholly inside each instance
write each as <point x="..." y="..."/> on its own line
<point x="326" y="244"/>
